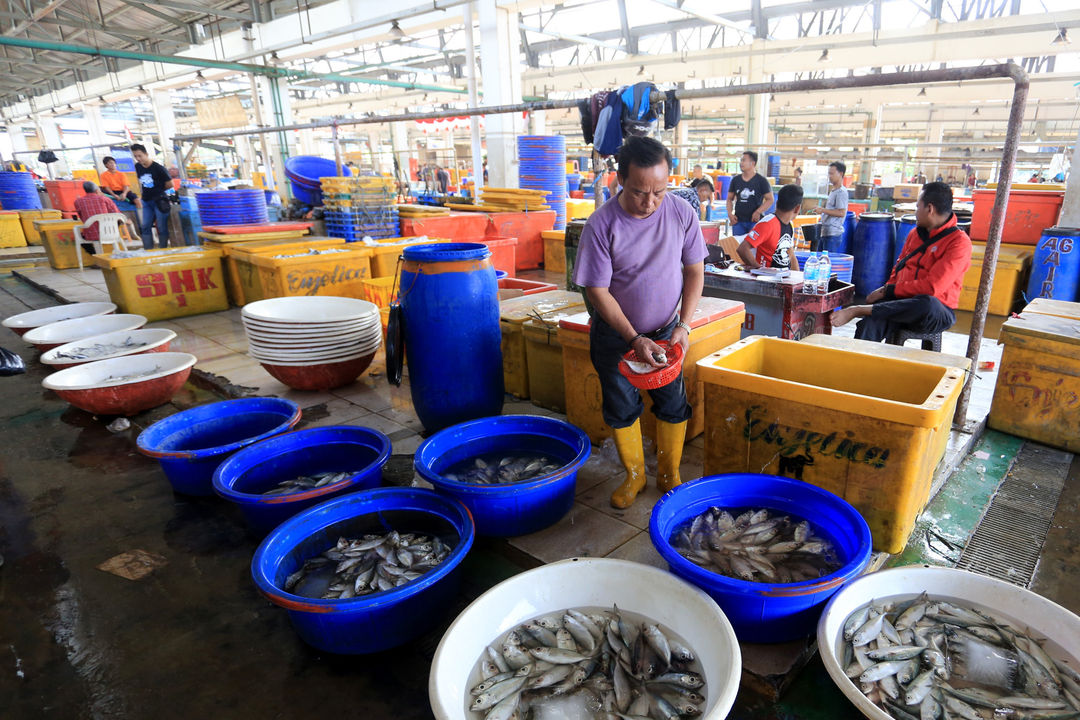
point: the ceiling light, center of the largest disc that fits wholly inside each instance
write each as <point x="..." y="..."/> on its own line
<point x="1061" y="39"/>
<point x="396" y="31"/>
<point x="199" y="74"/>
<point x="976" y="111"/>
<point x="922" y="93"/>
<point x="824" y="55"/>
<point x="641" y="70"/>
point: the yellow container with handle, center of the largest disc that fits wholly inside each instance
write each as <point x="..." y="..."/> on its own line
<point x="513" y="313"/>
<point x="58" y="237"/>
<point x="244" y="275"/>
<point x="860" y="426"/>
<point x="11" y="230"/>
<point x="554" y="250"/>
<point x="1010" y="278"/>
<point x="386" y="251"/>
<point x="163" y="284"/>
<point x="28" y="217"/>
<point x="338" y="270"/>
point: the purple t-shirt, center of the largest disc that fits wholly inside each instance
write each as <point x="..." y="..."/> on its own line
<point x="640" y="260"/>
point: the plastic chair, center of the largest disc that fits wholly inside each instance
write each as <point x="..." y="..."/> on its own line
<point x="108" y="233"/>
<point x="930" y="341"/>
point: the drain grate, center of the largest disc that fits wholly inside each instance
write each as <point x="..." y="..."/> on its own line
<point x="1008" y="540"/>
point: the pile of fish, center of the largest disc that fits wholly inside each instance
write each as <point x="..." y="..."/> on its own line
<point x="582" y="663"/>
<point x="924" y="659"/>
<point x="131" y="376"/>
<point x="312" y="251"/>
<point x="120" y="254"/>
<point x="89" y="352"/>
<point x="758" y="545"/>
<point x="370" y="564"/>
<point x="307" y="482"/>
<point x="502" y="470"/>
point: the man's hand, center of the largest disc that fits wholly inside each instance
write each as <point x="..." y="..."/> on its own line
<point x="818" y="210"/>
<point x="679" y="336"/>
<point x="644" y="348"/>
<point x="756" y="216"/>
<point x="878" y="294"/>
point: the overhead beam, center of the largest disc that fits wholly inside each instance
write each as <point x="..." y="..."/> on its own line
<point x="572" y="40"/>
<point x="37" y="15"/>
<point x="199" y="9"/>
<point x="629" y="41"/>
<point x="707" y="17"/>
<point x="144" y="7"/>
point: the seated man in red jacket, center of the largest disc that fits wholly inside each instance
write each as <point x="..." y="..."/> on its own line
<point x="923" y="289"/>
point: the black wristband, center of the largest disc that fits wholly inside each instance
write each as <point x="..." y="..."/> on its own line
<point x="631" y="342"/>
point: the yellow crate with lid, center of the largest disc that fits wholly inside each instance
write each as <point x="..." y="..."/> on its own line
<point x="1010" y="277"/>
<point x="1037" y="394"/>
<point x="29" y="217"/>
<point x="380" y="290"/>
<point x="232" y="278"/>
<point x="58" y="237"/>
<point x="715" y="324"/>
<point x="554" y="250"/>
<point x="11" y="230"/>
<point x="860" y="426"/>
<point x="167" y="283"/>
<point x="1057" y="308"/>
<point x="385" y="252"/>
<point x="297" y="270"/>
<point x="544" y="359"/>
<point x="249" y="285"/>
<point x="513" y="313"/>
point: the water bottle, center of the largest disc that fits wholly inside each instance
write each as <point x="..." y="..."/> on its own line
<point x="824" y="272"/>
<point x="810" y="270"/>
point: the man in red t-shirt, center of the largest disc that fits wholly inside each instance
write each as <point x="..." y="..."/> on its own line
<point x="923" y="289"/>
<point x="772" y="241"/>
<point x="91" y="204"/>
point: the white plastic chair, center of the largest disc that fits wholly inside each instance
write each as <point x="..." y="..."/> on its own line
<point x="108" y="233"/>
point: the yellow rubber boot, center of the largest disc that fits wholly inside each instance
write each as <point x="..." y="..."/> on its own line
<point x="670" y="438"/>
<point x="632" y="454"/>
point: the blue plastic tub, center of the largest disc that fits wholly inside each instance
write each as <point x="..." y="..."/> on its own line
<point x="191" y="444"/>
<point x="765" y="612"/>
<point x="246" y="475"/>
<point x="378" y="621"/>
<point x="517" y="509"/>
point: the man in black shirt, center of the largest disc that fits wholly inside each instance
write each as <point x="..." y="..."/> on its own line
<point x="750" y="194"/>
<point x="155" y="181"/>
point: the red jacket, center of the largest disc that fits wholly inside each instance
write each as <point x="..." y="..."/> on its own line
<point x="938" y="271"/>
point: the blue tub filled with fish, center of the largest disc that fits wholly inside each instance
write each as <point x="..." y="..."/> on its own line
<point x="515" y="473"/>
<point x="366" y="571"/>
<point x="191" y="444"/>
<point x="769" y="550"/>
<point x="276" y="478"/>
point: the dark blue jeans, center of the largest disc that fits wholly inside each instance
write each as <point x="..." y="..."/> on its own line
<point x="150" y="213"/>
<point x="622" y="403"/>
<point x="741" y="228"/>
<point x="921" y="314"/>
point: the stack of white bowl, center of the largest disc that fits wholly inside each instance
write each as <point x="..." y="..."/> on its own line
<point x="309" y="331"/>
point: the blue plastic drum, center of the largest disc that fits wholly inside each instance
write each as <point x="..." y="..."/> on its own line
<point x="1055" y="269"/>
<point x="765" y="612"/>
<point x="904" y="226"/>
<point x="875" y="236"/>
<point x="453" y="344"/>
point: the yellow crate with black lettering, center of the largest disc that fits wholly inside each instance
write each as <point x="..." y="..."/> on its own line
<point x="164" y="284"/>
<point x="860" y="426"/>
<point x="1037" y="394"/>
<point x="243" y="275"/>
<point x="58" y="237"/>
<point x="341" y="271"/>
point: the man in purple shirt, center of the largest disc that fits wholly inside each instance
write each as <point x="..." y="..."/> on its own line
<point x="641" y="261"/>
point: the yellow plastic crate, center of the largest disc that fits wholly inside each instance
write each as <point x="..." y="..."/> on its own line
<point x="554" y="250"/>
<point x="715" y="325"/>
<point x="1010" y="278"/>
<point x="544" y="361"/>
<point x="166" y="285"/>
<point x="58" y="237"/>
<point x="232" y="281"/>
<point x="241" y="271"/>
<point x="11" y="230"/>
<point x="384" y="257"/>
<point x="513" y="313"/>
<point x="91" y="175"/>
<point x="379" y="290"/>
<point x="232" y="238"/>
<point x="28" y="217"/>
<point x="861" y="426"/>
<point x="340" y="273"/>
<point x="577" y="209"/>
<point x="1037" y="395"/>
<point x="1057" y="308"/>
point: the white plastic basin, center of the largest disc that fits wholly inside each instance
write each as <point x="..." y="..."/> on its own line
<point x="106" y="373"/>
<point x="59" y="333"/>
<point x="37" y="318"/>
<point x="145" y="340"/>
<point x="1025" y="609"/>
<point x="588" y="582"/>
<point x="313" y="309"/>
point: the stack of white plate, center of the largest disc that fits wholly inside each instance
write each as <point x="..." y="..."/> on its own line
<point x="317" y="330"/>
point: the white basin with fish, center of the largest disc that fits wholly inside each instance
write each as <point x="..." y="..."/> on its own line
<point x="109" y="345"/>
<point x="587" y="582"/>
<point x="1023" y="608"/>
<point x="24" y="322"/>
<point x="55" y="334"/>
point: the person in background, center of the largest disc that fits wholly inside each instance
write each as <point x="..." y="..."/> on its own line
<point x="155" y="182"/>
<point x="699" y="172"/>
<point x="749" y="196"/>
<point x="835" y="209"/>
<point x="1060" y="177"/>
<point x="972" y="181"/>
<point x="772" y="241"/>
<point x="91" y="204"/>
<point x="798" y="176"/>
<point x="612" y="179"/>
<point x="699" y="194"/>
<point x="114" y="184"/>
<point x="641" y="262"/>
<point x="923" y="289"/>
<point x="174" y="173"/>
<point x="442" y="179"/>
<point x="939" y="178"/>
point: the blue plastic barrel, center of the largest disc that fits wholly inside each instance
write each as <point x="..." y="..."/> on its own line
<point x="18" y="191"/>
<point x="573" y="181"/>
<point x="873" y="251"/>
<point x="722" y="185"/>
<point x="450" y="306"/>
<point x="904" y="226"/>
<point x="765" y="612"/>
<point x="340" y="448"/>
<point x="518" y="508"/>
<point x="375" y="622"/>
<point x="191" y="444"/>
<point x="843" y="245"/>
<point x="1055" y="269"/>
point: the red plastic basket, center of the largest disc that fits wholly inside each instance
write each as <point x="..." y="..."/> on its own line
<point x="657" y="378"/>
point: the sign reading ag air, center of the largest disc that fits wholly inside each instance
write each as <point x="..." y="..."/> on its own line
<point x="311" y="281"/>
<point x="178" y="283"/>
